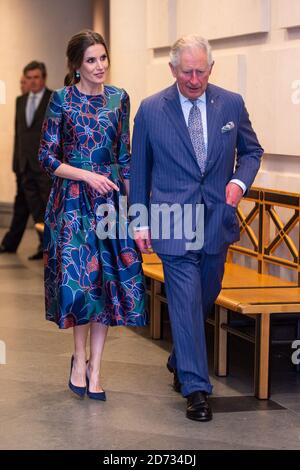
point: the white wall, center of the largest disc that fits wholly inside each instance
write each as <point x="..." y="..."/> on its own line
<point x="32" y="29"/>
<point x="128" y="48"/>
<point x="256" y="46"/>
<point x="101" y="18"/>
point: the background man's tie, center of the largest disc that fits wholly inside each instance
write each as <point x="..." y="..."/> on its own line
<point x="31" y="110"/>
<point x="196" y="133"/>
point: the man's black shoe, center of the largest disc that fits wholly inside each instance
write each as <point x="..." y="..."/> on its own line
<point x="4" y="249"/>
<point x="198" y="407"/>
<point x="176" y="382"/>
<point x="37" y="255"/>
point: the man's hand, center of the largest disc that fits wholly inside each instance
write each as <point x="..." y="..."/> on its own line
<point x="234" y="194"/>
<point x="143" y="241"/>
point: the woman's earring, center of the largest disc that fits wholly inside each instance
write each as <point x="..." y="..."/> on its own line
<point x="77" y="75"/>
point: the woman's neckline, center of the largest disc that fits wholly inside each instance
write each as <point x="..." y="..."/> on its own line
<point x="87" y="94"/>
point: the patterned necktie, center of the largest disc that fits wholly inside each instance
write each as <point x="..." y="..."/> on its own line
<point x="196" y="133"/>
<point x="31" y="110"/>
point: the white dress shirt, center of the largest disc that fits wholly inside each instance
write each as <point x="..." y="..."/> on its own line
<point x="38" y="98"/>
<point x="186" y="106"/>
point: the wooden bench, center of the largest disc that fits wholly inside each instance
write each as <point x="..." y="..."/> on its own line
<point x="251" y="291"/>
<point x="259" y="304"/>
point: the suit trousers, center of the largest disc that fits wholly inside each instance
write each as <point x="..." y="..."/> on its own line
<point x="36" y="186"/>
<point x="193" y="282"/>
<point x="21" y="213"/>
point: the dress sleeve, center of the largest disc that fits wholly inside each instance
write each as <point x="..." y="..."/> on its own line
<point x="50" y="151"/>
<point x="123" y="147"/>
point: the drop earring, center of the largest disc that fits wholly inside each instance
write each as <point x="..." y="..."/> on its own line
<point x="77" y="75"/>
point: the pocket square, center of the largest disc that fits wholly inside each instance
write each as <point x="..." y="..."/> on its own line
<point x="228" y="127"/>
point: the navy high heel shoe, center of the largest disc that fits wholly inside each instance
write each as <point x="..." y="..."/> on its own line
<point x="79" y="391"/>
<point x="94" y="395"/>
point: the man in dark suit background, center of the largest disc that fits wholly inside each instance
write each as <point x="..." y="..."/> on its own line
<point x="24" y="85"/>
<point x="193" y="146"/>
<point x="33" y="186"/>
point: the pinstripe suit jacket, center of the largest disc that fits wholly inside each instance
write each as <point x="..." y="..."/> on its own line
<point x="164" y="168"/>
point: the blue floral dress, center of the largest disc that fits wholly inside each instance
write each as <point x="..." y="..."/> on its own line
<point x="87" y="278"/>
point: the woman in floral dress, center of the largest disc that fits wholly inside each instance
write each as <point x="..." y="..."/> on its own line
<point x="91" y="281"/>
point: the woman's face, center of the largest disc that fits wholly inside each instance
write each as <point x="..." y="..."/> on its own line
<point x="94" y="65"/>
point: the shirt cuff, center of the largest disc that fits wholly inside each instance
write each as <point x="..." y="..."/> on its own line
<point x="139" y="229"/>
<point x="240" y="184"/>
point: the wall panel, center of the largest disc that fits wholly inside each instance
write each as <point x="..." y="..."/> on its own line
<point x="229" y="71"/>
<point x="215" y="19"/>
<point x="161" y="23"/>
<point x="159" y="76"/>
<point x="273" y="99"/>
<point x="288" y="13"/>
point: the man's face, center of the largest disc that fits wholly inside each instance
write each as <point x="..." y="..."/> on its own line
<point x="35" y="79"/>
<point x="24" y="85"/>
<point x="192" y="72"/>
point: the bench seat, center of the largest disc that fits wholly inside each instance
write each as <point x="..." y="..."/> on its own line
<point x="259" y="304"/>
<point x="235" y="277"/>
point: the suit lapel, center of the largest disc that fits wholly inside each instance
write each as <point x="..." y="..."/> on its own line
<point x="174" y="112"/>
<point x="214" y="124"/>
<point x="173" y="109"/>
<point x="22" y="110"/>
<point x="41" y="107"/>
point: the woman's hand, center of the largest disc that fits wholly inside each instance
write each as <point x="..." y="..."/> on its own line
<point x="99" y="182"/>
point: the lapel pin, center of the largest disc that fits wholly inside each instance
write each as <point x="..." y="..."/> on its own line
<point x="228" y="127"/>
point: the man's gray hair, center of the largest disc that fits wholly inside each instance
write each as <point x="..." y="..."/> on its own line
<point x="189" y="42"/>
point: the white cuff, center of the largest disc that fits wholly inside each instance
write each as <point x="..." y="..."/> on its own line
<point x="240" y="184"/>
<point x="139" y="229"/>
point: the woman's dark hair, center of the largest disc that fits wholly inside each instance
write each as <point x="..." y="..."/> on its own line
<point x="68" y="80"/>
<point x="77" y="46"/>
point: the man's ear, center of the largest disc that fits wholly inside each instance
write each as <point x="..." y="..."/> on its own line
<point x="211" y="67"/>
<point x="173" y="70"/>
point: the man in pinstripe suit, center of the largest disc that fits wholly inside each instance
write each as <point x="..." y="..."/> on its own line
<point x="193" y="145"/>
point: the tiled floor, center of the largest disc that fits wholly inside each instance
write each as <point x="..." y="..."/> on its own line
<point x="142" y="411"/>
